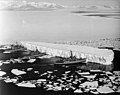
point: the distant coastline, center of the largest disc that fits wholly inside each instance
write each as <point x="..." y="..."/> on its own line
<point x="104" y="42"/>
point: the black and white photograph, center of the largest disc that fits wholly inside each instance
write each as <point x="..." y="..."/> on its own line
<point x="59" y="47"/>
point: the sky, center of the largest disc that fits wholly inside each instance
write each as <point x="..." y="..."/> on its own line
<point x="76" y="2"/>
<point x="56" y="25"/>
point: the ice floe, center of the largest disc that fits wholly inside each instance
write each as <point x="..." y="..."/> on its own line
<point x="57" y="88"/>
<point x="26" y="84"/>
<point x="14" y="80"/>
<point x="78" y="91"/>
<point x="105" y="90"/>
<point x="1" y="63"/>
<point x="90" y="84"/>
<point x="31" y="60"/>
<point x="2" y="73"/>
<point x="29" y="69"/>
<point x="7" y="52"/>
<point x="116" y="73"/>
<point x="41" y="80"/>
<point x="50" y="72"/>
<point x="8" y="80"/>
<point x="109" y="73"/>
<point x="84" y="73"/>
<point x="118" y="89"/>
<point x="6" y="62"/>
<point x="45" y="56"/>
<point x="18" y="72"/>
<point x="90" y="76"/>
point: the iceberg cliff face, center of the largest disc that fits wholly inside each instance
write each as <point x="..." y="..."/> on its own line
<point x="102" y="56"/>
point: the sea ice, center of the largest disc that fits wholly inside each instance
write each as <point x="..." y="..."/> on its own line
<point x="90" y="84"/>
<point x="2" y="73"/>
<point x="18" y="72"/>
<point x="78" y="91"/>
<point x="1" y="63"/>
<point x="31" y="60"/>
<point x="105" y="90"/>
<point x="28" y="84"/>
<point x="8" y="80"/>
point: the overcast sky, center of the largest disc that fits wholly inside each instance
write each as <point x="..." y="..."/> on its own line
<point x="76" y="2"/>
<point x="56" y="25"/>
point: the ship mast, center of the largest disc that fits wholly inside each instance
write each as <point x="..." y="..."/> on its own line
<point x="71" y="54"/>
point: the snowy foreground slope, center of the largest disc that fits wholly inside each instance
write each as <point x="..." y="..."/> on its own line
<point x="102" y="56"/>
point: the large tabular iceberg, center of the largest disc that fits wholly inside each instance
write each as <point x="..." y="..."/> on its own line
<point x="102" y="56"/>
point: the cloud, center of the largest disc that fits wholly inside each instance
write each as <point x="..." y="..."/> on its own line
<point x="25" y="5"/>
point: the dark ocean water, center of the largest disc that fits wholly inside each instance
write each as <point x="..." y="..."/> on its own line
<point x="7" y="56"/>
<point x="12" y="89"/>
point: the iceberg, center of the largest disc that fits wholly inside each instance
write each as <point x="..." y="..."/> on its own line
<point x="102" y="56"/>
